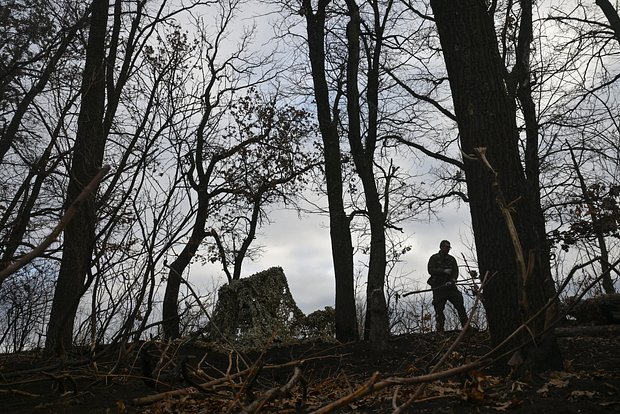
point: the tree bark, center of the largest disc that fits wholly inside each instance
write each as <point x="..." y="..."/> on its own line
<point x="170" y="308"/>
<point x="486" y="119"/>
<point x="340" y="232"/>
<point x="88" y="151"/>
<point x="376" y="324"/>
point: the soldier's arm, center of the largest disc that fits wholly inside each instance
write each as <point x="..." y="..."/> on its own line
<point x="433" y="268"/>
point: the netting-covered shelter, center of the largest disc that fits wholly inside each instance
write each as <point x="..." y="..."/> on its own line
<point x="256" y="310"/>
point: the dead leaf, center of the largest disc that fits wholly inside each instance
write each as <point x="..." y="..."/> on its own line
<point x="575" y="395"/>
<point x="473" y="389"/>
<point x="544" y="390"/>
<point x="508" y="405"/>
<point x="558" y="383"/>
<point x="518" y="386"/>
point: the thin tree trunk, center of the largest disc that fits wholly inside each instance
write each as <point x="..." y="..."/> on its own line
<point x="170" y="311"/>
<point x="377" y="328"/>
<point x="606" y="281"/>
<point x="522" y="77"/>
<point x="339" y="223"/>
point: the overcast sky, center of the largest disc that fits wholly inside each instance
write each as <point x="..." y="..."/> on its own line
<point x="302" y="248"/>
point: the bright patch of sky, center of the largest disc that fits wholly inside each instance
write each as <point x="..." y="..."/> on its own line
<point x="301" y="246"/>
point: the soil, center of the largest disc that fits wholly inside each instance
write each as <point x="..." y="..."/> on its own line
<point x="192" y="377"/>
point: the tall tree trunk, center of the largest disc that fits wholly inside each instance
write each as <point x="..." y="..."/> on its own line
<point x="520" y="85"/>
<point x="376" y="328"/>
<point x="486" y="119"/>
<point x="79" y="236"/>
<point x="339" y="223"/>
<point x="614" y="21"/>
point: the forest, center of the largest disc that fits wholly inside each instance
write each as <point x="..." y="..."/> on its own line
<point x="142" y="139"/>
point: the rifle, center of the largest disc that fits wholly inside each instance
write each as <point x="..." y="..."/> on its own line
<point x="404" y="295"/>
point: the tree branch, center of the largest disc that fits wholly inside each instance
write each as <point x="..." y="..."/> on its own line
<point x="66" y="218"/>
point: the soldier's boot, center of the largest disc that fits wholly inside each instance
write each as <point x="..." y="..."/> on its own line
<point x="440" y="323"/>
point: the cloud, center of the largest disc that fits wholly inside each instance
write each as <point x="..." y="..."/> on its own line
<point x="302" y="248"/>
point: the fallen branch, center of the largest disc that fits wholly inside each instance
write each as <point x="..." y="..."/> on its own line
<point x="274" y="393"/>
<point x="367" y="388"/>
<point x="596" y="330"/>
<point x="420" y="390"/>
<point x="149" y="399"/>
<point x="374" y="385"/>
<point x="18" y="392"/>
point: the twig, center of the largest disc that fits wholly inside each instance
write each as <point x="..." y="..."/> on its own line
<point x="274" y="392"/>
<point x="367" y="388"/>
<point x="247" y="385"/>
<point x="66" y="218"/>
<point x="18" y="392"/>
<point x="416" y="395"/>
<point x="149" y="399"/>
<point x="373" y="385"/>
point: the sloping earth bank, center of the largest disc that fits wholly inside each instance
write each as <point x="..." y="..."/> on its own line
<point x="191" y="377"/>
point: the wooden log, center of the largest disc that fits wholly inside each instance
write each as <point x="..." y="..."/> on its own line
<point x="593" y="330"/>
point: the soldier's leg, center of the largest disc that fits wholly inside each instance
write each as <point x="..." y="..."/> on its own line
<point x="456" y="298"/>
<point x="439" y="304"/>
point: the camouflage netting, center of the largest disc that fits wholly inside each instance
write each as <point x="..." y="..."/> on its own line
<point x="598" y="310"/>
<point x="257" y="310"/>
<point x="320" y="324"/>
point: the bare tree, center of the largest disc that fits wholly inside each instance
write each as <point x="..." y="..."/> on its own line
<point x="31" y="46"/>
<point x="264" y="157"/>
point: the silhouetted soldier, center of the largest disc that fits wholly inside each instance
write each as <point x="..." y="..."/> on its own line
<point x="444" y="272"/>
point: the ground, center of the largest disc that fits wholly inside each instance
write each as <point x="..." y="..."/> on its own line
<point x="311" y="376"/>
